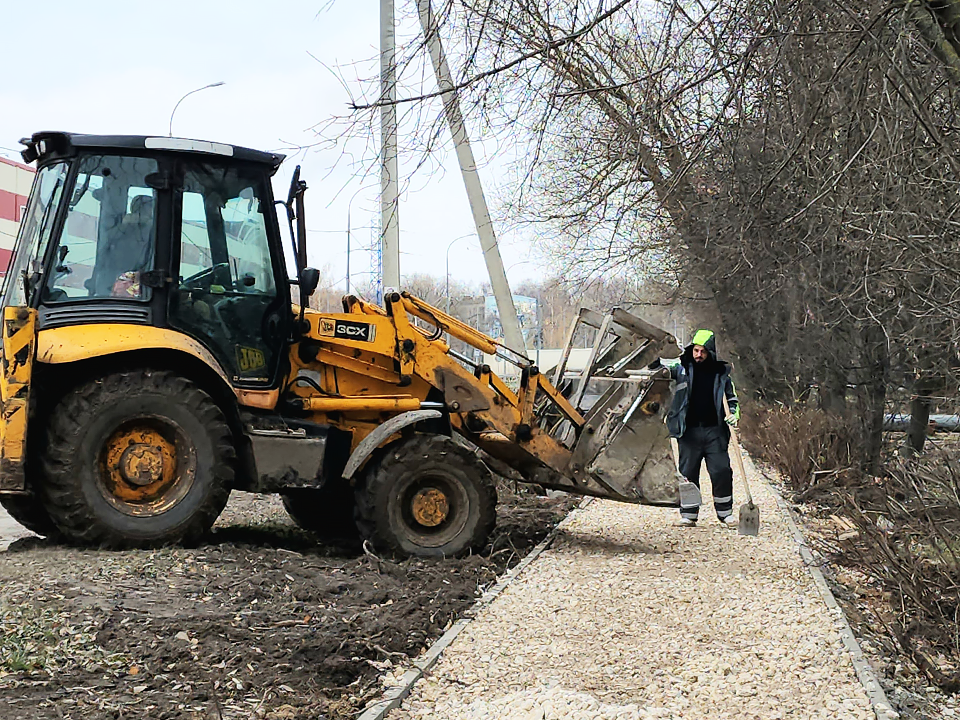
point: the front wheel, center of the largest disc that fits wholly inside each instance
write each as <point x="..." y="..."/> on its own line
<point x="427" y="496"/>
<point x="136" y="459"/>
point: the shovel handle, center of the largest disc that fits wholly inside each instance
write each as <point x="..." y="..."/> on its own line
<point x="738" y="455"/>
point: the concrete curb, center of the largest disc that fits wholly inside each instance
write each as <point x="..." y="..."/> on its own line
<point x="878" y="698"/>
<point x="392" y="699"/>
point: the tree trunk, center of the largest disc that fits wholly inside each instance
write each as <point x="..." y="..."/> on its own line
<point x="919" y="417"/>
<point x="832" y="394"/>
<point x="876" y="362"/>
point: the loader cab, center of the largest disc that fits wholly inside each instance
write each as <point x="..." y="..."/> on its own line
<point x="157" y="231"/>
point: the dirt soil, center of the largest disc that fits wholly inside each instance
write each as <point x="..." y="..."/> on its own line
<point x="261" y="621"/>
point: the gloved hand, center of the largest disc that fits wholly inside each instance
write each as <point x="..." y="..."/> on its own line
<point x="732" y="421"/>
<point x="659" y="371"/>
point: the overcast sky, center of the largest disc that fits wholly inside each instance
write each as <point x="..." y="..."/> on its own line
<point x="120" y="67"/>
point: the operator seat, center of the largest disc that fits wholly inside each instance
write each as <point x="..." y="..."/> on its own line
<point x="128" y="252"/>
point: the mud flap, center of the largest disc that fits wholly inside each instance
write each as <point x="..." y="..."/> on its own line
<point x="19" y="348"/>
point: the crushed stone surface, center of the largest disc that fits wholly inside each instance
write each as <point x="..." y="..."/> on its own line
<point x="628" y="616"/>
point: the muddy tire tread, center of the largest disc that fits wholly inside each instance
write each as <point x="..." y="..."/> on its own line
<point x="59" y="489"/>
<point x="408" y="455"/>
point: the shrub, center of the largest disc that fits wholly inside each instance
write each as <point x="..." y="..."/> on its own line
<point x="908" y="543"/>
<point x="799" y="442"/>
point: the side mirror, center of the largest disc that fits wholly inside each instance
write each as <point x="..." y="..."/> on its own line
<point x="309" y="279"/>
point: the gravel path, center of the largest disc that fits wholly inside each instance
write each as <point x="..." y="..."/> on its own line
<point x="630" y="616"/>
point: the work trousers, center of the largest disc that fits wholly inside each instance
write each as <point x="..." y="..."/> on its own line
<point x="710" y="444"/>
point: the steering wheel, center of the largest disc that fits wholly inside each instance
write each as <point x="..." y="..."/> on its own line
<point x="203" y="275"/>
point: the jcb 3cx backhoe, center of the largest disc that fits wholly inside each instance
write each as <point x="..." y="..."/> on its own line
<point x="153" y="361"/>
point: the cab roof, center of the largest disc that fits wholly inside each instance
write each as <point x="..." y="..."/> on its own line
<point x="53" y="145"/>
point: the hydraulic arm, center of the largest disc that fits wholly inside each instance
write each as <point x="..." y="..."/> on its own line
<point x="618" y="448"/>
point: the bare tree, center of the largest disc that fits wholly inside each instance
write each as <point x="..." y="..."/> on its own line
<point x="797" y="159"/>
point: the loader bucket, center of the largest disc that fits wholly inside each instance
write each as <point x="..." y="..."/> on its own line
<point x="629" y="452"/>
<point x="623" y="451"/>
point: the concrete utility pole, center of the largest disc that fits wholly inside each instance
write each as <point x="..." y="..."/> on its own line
<point x="471" y="179"/>
<point x="389" y="178"/>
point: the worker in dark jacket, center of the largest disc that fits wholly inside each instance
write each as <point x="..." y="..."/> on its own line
<point x="698" y="421"/>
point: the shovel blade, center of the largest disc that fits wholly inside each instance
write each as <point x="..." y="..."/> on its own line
<point x="749" y="520"/>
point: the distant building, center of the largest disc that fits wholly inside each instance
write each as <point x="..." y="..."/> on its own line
<point x="471" y="310"/>
<point x="527" y="314"/>
<point x="15" y="182"/>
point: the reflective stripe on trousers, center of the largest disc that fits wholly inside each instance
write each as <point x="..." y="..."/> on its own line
<point x="710" y="444"/>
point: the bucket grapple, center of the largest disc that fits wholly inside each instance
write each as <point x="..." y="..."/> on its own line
<point x="618" y="447"/>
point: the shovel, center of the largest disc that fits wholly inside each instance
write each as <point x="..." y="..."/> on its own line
<point x="749" y="518"/>
<point x="689" y="493"/>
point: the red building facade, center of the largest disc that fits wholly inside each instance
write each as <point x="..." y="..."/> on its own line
<point x="15" y="182"/>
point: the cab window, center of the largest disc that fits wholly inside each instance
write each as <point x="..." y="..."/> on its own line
<point x="109" y="238"/>
<point x="225" y="293"/>
<point x="26" y="269"/>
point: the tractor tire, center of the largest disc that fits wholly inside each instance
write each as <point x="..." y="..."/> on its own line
<point x="426" y="496"/>
<point x="29" y="512"/>
<point x="327" y="511"/>
<point x="136" y="459"/>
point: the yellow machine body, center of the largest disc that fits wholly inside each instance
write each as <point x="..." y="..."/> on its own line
<point x="362" y="382"/>
<point x="19" y="349"/>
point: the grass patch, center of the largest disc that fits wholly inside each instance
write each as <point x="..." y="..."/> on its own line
<point x="42" y="640"/>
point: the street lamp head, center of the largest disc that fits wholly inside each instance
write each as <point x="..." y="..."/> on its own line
<point x="205" y="87"/>
<point x="519" y="262"/>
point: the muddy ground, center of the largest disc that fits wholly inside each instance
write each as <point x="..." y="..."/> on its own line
<point x="261" y="621"/>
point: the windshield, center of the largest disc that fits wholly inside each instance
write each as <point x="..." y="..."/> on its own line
<point x="34" y="236"/>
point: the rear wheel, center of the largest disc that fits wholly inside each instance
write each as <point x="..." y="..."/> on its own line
<point x="136" y="459"/>
<point x="29" y="512"/>
<point x="427" y="496"/>
<point x="325" y="511"/>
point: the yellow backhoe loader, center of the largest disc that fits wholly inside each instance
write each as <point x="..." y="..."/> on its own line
<point x="153" y="361"/>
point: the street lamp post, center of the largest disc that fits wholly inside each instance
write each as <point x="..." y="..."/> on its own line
<point x="211" y="85"/>
<point x="348" y="247"/>
<point x="538" y="330"/>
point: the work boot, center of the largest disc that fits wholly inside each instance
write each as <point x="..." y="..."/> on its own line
<point x="687" y="522"/>
<point x="729" y="521"/>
